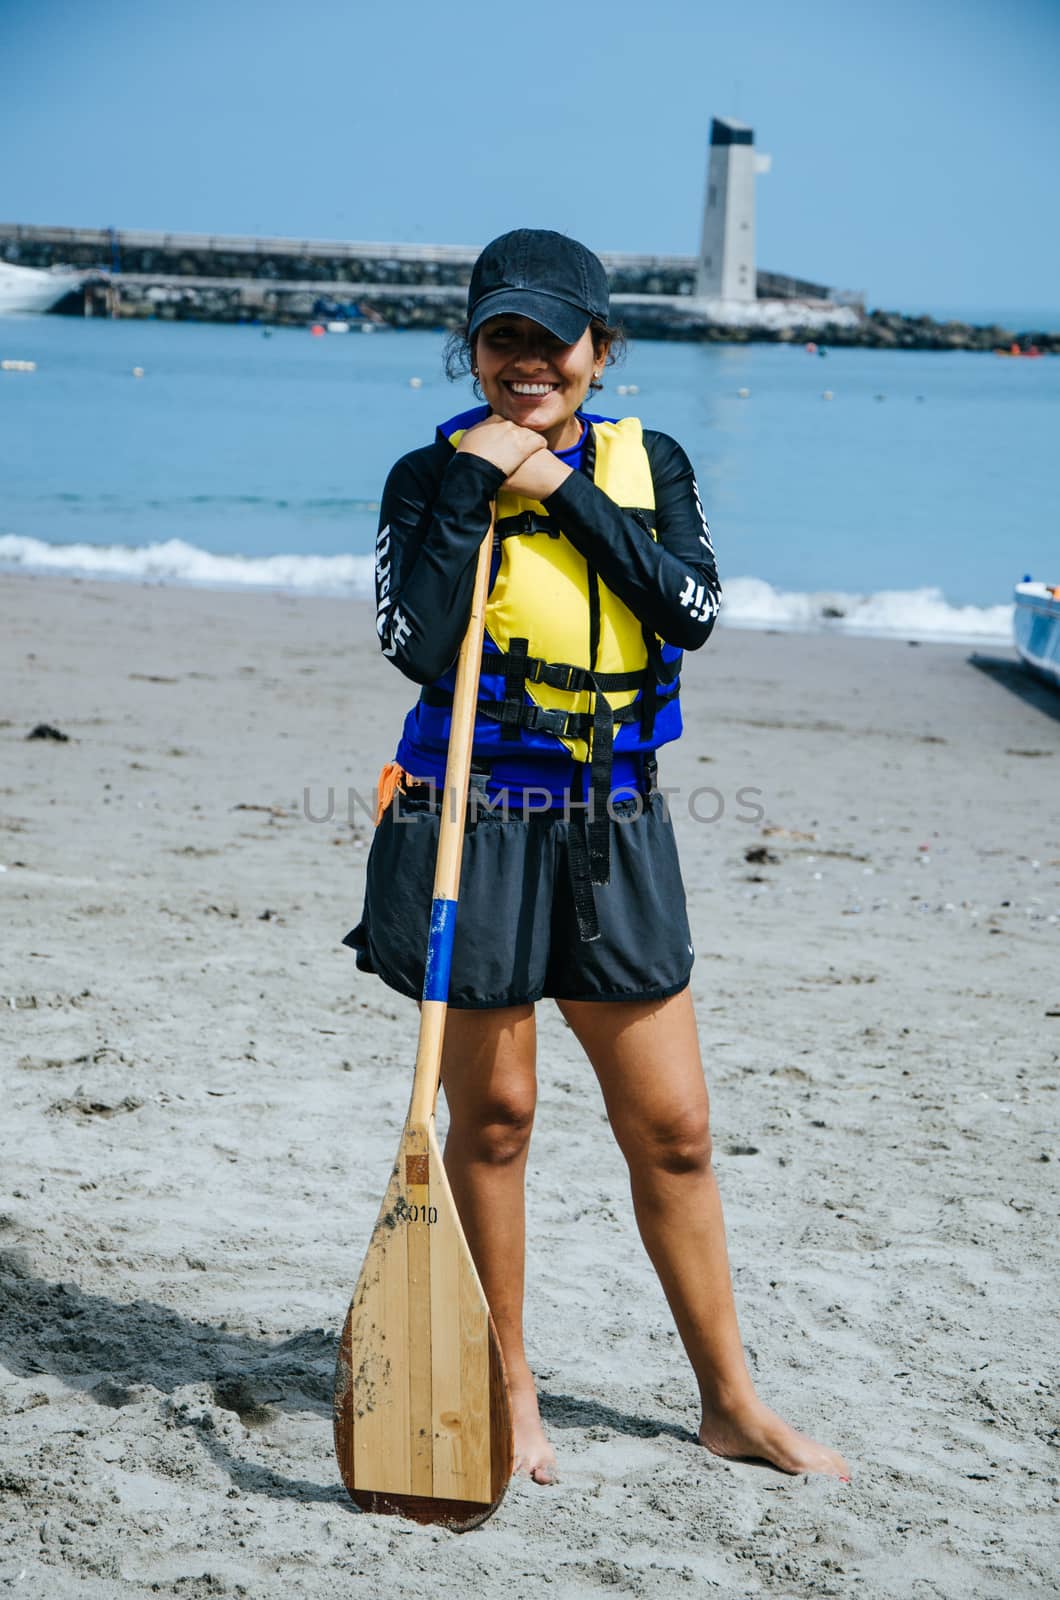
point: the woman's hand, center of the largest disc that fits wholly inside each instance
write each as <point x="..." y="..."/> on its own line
<point x="503" y="443"/>
<point x="538" y="476"/>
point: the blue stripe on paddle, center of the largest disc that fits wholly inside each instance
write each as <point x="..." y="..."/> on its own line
<point x="439" y="950"/>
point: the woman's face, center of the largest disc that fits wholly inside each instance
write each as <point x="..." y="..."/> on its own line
<point x="529" y="377"/>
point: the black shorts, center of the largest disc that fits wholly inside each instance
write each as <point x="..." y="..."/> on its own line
<point x="517" y="935"/>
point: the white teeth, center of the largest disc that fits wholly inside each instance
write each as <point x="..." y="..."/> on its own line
<point x="533" y="388"/>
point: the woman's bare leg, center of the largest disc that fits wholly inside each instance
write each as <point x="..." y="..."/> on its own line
<point x="646" y="1056"/>
<point x="490" y="1081"/>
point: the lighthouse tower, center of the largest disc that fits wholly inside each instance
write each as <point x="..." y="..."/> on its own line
<point x="727" y="253"/>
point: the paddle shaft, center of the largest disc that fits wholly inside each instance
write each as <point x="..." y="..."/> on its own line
<point x="450" y="848"/>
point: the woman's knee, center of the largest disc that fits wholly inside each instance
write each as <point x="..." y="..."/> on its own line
<point x="496" y="1130"/>
<point x="676" y="1144"/>
<point x="490" y="1081"/>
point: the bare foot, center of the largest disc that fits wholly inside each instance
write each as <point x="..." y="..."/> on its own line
<point x="534" y="1456"/>
<point x="752" y="1432"/>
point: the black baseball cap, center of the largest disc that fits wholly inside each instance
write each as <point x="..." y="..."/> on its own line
<point x="535" y="273"/>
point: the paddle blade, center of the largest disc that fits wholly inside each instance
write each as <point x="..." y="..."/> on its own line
<point x="422" y="1414"/>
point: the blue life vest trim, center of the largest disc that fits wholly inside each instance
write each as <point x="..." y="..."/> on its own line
<point x="439" y="949"/>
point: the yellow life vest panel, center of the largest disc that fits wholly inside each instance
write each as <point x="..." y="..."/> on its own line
<point x="542" y="592"/>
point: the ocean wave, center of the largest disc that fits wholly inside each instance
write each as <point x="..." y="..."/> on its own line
<point x="748" y="602"/>
<point x="175" y="561"/>
<point x="907" y="613"/>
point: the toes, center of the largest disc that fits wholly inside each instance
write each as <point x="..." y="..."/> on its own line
<point x="537" y="1471"/>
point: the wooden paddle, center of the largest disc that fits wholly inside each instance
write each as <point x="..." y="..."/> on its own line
<point x="423" y="1421"/>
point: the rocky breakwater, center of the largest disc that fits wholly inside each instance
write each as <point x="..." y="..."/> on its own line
<point x="828" y="325"/>
<point x="644" y="316"/>
<point x="892" y="330"/>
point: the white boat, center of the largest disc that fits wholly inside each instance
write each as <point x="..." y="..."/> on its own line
<point x="30" y="289"/>
<point x="1036" y="628"/>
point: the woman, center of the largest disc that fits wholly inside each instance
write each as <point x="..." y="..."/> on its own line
<point x="570" y="887"/>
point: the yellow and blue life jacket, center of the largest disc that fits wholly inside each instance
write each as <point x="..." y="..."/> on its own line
<point x="565" y="660"/>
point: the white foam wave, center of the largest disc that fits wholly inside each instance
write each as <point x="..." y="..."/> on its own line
<point x="176" y="561"/>
<point x="748" y="602"/>
<point x="907" y="613"/>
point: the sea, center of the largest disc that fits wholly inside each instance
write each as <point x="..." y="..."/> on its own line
<point x="860" y="491"/>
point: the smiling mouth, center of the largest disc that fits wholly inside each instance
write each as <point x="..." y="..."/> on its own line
<point x="532" y="389"/>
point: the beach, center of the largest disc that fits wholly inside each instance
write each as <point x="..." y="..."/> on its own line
<point x="203" y="1097"/>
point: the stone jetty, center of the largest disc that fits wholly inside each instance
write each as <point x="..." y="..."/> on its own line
<point x="198" y="277"/>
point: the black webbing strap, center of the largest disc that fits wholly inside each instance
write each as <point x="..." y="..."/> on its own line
<point x="560" y="675"/>
<point x="581" y="886"/>
<point x="593" y="583"/>
<point x="557" y="675"/>
<point x="601" y="752"/>
<point x="514" y="688"/>
<point x="648" y="703"/>
<point x="653" y="667"/>
<point x="537" y="719"/>
<point x="601" y="747"/>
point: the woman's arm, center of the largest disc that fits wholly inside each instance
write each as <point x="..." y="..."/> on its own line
<point x="671" y="582"/>
<point x="434" y="516"/>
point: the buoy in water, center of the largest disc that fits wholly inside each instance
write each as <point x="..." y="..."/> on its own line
<point x="317" y="330"/>
<point x="827" y="395"/>
<point x="415" y="383"/>
<point x="743" y="394"/>
<point x="811" y="348"/>
<point x="632" y="388"/>
<point x="138" y="372"/>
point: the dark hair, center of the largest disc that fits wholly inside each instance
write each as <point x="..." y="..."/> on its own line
<point x="459" y="352"/>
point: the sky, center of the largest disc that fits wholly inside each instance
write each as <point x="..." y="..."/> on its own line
<point x="915" y="146"/>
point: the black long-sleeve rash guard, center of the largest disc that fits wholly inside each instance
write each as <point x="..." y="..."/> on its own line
<point x="434" y="516"/>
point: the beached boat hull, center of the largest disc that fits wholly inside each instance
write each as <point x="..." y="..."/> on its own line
<point x="1036" y="629"/>
<point x="25" y="289"/>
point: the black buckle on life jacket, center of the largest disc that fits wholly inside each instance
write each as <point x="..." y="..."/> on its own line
<point x="549" y="720"/>
<point x="524" y="522"/>
<point x="558" y="675"/>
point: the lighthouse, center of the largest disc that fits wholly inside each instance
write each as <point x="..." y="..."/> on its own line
<point x="726" y="269"/>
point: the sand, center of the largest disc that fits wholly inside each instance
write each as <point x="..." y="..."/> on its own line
<point x="202" y="1099"/>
